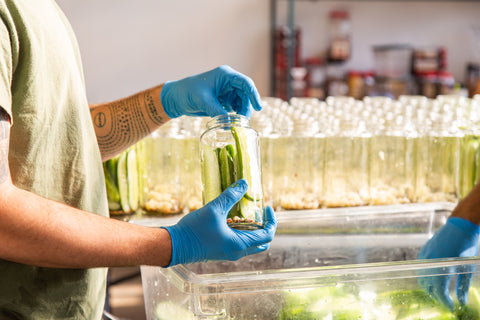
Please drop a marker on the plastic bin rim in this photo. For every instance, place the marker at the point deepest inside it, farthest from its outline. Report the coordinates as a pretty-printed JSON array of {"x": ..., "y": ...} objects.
[{"x": 280, "y": 279}]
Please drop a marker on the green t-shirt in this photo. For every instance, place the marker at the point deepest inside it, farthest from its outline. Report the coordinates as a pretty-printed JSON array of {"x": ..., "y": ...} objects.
[{"x": 53, "y": 153}]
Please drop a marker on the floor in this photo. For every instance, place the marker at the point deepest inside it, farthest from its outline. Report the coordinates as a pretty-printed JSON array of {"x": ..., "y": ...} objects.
[{"x": 126, "y": 294}]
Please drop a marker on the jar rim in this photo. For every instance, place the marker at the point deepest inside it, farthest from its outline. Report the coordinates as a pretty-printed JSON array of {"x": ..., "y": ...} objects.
[{"x": 228, "y": 119}]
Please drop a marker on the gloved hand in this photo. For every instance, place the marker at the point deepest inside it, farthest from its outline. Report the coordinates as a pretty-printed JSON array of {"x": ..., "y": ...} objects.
[
  {"x": 212, "y": 93},
  {"x": 204, "y": 235},
  {"x": 457, "y": 238}
]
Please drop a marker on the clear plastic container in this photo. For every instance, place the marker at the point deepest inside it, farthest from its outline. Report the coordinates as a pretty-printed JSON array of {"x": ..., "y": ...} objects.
[
  {"x": 357, "y": 263},
  {"x": 230, "y": 151}
]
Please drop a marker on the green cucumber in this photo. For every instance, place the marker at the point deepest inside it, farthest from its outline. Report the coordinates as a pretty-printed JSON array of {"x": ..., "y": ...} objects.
[
  {"x": 211, "y": 174},
  {"x": 123, "y": 182},
  {"x": 248, "y": 168},
  {"x": 226, "y": 164},
  {"x": 132, "y": 179}
]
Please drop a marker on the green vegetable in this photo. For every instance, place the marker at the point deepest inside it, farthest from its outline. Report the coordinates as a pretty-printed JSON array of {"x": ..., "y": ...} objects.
[
  {"x": 212, "y": 182},
  {"x": 342, "y": 302},
  {"x": 121, "y": 180}
]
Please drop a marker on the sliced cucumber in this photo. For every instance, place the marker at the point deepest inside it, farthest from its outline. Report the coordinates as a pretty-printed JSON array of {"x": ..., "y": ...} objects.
[
  {"x": 225, "y": 161},
  {"x": 132, "y": 179},
  {"x": 123, "y": 182},
  {"x": 248, "y": 168},
  {"x": 211, "y": 174}
]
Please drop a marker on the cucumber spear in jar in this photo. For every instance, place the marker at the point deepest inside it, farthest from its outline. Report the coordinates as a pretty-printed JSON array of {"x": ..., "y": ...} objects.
[{"x": 224, "y": 165}]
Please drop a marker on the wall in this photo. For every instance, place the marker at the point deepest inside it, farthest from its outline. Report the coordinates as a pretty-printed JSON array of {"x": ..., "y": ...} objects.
[{"x": 130, "y": 45}]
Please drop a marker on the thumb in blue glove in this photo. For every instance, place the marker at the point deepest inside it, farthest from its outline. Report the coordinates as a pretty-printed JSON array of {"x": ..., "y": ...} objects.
[
  {"x": 457, "y": 238},
  {"x": 218, "y": 91},
  {"x": 203, "y": 235}
]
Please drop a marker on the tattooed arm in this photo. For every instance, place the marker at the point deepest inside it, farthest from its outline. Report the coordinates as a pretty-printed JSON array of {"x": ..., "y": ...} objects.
[
  {"x": 46, "y": 233},
  {"x": 121, "y": 123}
]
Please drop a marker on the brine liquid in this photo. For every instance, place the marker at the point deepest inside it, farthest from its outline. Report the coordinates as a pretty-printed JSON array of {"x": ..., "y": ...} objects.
[
  {"x": 392, "y": 169},
  {"x": 469, "y": 170},
  {"x": 347, "y": 171},
  {"x": 437, "y": 168}
]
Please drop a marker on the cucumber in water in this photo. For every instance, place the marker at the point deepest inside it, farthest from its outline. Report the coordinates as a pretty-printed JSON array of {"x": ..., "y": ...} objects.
[
  {"x": 211, "y": 174},
  {"x": 123, "y": 182},
  {"x": 226, "y": 164},
  {"x": 132, "y": 176},
  {"x": 248, "y": 168}
]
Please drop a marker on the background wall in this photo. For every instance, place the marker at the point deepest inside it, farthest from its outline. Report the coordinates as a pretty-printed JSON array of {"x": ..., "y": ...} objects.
[{"x": 130, "y": 45}]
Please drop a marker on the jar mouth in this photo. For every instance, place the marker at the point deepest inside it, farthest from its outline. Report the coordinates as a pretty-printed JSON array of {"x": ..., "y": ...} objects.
[{"x": 228, "y": 120}]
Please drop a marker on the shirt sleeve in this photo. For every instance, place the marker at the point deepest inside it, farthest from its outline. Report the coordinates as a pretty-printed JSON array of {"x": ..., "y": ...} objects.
[{"x": 6, "y": 67}]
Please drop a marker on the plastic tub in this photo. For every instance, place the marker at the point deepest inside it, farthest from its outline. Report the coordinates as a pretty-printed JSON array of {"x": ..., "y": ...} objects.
[{"x": 323, "y": 264}]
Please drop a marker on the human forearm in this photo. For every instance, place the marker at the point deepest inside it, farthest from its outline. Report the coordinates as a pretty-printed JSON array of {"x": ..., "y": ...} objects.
[
  {"x": 469, "y": 207},
  {"x": 122, "y": 123},
  {"x": 46, "y": 233}
]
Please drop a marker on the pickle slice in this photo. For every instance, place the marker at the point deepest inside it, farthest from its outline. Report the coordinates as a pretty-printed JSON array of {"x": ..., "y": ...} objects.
[
  {"x": 248, "y": 168},
  {"x": 132, "y": 182},
  {"x": 211, "y": 174},
  {"x": 225, "y": 161},
  {"x": 123, "y": 182}
]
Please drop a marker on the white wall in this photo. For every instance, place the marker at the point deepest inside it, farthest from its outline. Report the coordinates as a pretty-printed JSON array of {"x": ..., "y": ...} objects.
[{"x": 130, "y": 45}]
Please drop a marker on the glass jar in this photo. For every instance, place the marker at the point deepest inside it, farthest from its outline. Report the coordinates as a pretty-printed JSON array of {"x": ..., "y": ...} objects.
[
  {"x": 230, "y": 151},
  {"x": 393, "y": 151},
  {"x": 124, "y": 180},
  {"x": 347, "y": 164},
  {"x": 165, "y": 154}
]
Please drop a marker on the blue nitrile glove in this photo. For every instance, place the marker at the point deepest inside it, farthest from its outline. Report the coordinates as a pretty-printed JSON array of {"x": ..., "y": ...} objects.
[
  {"x": 203, "y": 235},
  {"x": 212, "y": 93},
  {"x": 457, "y": 238}
]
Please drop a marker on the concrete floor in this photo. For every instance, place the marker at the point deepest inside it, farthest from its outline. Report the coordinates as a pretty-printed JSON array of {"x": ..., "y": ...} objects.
[{"x": 126, "y": 294}]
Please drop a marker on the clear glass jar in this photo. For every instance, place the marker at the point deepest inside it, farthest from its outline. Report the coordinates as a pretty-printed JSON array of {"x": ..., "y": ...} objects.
[
  {"x": 441, "y": 145},
  {"x": 124, "y": 180},
  {"x": 302, "y": 163},
  {"x": 230, "y": 151},
  {"x": 165, "y": 154},
  {"x": 347, "y": 164},
  {"x": 393, "y": 152}
]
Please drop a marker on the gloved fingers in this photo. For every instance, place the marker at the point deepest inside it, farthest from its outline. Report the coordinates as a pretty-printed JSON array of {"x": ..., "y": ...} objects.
[
  {"x": 463, "y": 284},
  {"x": 257, "y": 249},
  {"x": 227, "y": 199},
  {"x": 440, "y": 290},
  {"x": 245, "y": 87},
  {"x": 269, "y": 220},
  {"x": 208, "y": 105}
]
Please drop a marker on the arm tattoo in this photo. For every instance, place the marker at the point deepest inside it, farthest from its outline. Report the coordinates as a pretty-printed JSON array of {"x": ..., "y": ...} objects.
[
  {"x": 152, "y": 110},
  {"x": 125, "y": 122},
  {"x": 4, "y": 143}
]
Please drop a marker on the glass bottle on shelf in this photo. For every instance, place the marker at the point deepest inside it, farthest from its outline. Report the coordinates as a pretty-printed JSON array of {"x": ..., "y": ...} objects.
[{"x": 230, "y": 151}]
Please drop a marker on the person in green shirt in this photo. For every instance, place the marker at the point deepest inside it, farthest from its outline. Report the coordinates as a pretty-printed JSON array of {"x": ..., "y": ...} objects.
[{"x": 57, "y": 239}]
